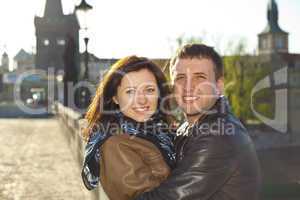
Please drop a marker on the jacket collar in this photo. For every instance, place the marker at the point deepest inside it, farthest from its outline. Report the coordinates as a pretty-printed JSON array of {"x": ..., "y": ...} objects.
[
  {"x": 220, "y": 109},
  {"x": 133, "y": 127}
]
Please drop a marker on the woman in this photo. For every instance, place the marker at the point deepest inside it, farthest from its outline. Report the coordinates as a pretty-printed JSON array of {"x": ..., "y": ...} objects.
[{"x": 129, "y": 142}]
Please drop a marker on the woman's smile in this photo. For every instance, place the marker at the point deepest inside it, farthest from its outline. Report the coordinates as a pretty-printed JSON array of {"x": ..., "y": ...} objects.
[{"x": 141, "y": 109}]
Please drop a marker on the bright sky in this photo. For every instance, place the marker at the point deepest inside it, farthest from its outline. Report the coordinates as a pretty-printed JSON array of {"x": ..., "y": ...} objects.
[{"x": 149, "y": 28}]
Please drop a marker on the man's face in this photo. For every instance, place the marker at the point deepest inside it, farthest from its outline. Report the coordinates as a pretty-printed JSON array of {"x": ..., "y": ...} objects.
[{"x": 195, "y": 85}]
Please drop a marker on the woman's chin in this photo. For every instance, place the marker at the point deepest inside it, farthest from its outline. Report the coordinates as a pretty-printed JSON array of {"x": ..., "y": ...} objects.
[{"x": 141, "y": 118}]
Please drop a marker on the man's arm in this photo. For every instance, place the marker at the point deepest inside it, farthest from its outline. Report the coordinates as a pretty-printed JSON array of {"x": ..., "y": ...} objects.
[{"x": 206, "y": 166}]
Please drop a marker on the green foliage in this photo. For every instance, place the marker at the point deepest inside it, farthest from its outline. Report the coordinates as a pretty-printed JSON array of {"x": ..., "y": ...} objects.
[
  {"x": 264, "y": 102},
  {"x": 242, "y": 73}
]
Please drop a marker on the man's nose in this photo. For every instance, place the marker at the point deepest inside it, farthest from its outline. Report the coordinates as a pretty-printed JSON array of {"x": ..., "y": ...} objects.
[{"x": 189, "y": 85}]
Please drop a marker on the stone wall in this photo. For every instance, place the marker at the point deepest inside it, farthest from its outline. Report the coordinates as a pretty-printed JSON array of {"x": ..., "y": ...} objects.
[{"x": 70, "y": 123}]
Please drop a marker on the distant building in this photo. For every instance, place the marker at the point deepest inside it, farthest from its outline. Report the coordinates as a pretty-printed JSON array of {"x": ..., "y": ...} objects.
[
  {"x": 23, "y": 61},
  {"x": 96, "y": 67},
  {"x": 274, "y": 49},
  {"x": 52, "y": 32},
  {"x": 273, "y": 39},
  {"x": 4, "y": 62}
]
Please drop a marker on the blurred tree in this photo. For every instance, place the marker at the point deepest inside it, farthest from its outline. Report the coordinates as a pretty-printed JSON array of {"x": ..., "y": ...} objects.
[{"x": 242, "y": 72}]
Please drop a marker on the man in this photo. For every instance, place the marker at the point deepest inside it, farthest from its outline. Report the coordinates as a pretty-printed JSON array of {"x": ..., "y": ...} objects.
[{"x": 216, "y": 159}]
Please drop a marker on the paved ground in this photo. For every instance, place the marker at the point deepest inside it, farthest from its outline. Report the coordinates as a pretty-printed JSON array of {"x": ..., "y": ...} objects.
[{"x": 36, "y": 163}]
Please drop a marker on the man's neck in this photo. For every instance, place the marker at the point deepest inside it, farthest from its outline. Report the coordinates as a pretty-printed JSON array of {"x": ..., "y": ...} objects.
[{"x": 192, "y": 119}]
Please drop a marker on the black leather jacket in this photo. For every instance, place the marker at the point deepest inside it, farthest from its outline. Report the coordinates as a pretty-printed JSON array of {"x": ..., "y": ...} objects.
[{"x": 216, "y": 160}]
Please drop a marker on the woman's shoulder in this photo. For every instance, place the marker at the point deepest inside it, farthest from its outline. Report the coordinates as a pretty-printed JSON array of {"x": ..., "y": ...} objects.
[{"x": 125, "y": 139}]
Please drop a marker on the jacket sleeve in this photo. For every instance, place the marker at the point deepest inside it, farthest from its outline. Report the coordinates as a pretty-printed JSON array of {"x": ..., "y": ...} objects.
[
  {"x": 130, "y": 166},
  {"x": 205, "y": 167}
]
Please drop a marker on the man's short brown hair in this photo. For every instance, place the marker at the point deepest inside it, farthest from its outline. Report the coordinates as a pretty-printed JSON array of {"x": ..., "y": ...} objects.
[{"x": 200, "y": 51}]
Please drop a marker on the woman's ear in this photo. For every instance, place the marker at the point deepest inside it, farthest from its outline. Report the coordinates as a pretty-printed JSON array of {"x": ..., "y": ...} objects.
[
  {"x": 171, "y": 86},
  {"x": 220, "y": 85},
  {"x": 114, "y": 98}
]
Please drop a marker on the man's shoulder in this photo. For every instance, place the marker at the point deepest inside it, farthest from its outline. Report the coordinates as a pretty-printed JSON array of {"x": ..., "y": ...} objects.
[
  {"x": 224, "y": 131},
  {"x": 233, "y": 121}
]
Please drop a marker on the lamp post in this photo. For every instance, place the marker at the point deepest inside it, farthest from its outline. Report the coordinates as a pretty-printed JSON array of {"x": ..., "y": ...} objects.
[
  {"x": 83, "y": 12},
  {"x": 86, "y": 59}
]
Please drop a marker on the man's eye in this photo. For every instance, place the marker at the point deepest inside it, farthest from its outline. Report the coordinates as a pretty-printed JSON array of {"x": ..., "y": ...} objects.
[
  {"x": 200, "y": 77},
  {"x": 178, "y": 78}
]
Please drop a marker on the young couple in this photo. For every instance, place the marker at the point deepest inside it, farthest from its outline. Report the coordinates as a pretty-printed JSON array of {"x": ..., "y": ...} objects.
[{"x": 134, "y": 152}]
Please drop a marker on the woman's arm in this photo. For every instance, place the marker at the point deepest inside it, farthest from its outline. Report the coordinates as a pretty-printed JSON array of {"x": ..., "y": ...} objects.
[{"x": 130, "y": 166}]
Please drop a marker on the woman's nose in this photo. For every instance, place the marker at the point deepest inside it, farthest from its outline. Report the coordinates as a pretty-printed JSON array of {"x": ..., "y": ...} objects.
[{"x": 141, "y": 98}]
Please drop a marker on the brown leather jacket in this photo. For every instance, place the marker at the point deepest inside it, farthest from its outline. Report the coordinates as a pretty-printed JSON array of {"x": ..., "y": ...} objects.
[{"x": 130, "y": 166}]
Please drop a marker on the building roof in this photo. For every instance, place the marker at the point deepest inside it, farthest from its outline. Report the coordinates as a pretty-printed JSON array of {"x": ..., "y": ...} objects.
[
  {"x": 53, "y": 9},
  {"x": 272, "y": 16},
  {"x": 4, "y": 55},
  {"x": 23, "y": 55}
]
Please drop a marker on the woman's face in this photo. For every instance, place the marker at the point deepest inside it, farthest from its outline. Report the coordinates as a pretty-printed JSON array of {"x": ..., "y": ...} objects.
[{"x": 137, "y": 95}]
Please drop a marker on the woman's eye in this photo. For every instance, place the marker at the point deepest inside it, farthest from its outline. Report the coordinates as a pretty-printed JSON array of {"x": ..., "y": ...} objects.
[
  {"x": 150, "y": 90},
  {"x": 130, "y": 91}
]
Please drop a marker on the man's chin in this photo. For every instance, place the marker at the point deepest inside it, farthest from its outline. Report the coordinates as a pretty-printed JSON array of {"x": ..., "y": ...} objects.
[{"x": 193, "y": 112}]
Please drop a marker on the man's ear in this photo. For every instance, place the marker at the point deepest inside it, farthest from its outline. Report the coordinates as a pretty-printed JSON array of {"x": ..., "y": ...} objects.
[
  {"x": 220, "y": 85},
  {"x": 115, "y": 100},
  {"x": 171, "y": 86},
  {"x": 172, "y": 72}
]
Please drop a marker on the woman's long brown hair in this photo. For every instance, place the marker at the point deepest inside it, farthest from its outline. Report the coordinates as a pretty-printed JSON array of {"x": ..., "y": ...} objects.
[{"x": 102, "y": 101}]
